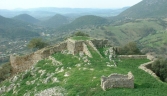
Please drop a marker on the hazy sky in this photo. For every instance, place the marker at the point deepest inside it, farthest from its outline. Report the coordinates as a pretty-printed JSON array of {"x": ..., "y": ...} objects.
[{"x": 12, "y": 4}]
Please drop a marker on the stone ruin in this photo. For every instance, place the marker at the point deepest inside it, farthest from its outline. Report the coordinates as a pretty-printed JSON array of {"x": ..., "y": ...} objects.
[
  {"x": 117, "y": 81},
  {"x": 22, "y": 63}
]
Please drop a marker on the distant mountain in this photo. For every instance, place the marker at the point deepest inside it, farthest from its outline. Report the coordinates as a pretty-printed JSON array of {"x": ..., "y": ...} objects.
[
  {"x": 146, "y": 9},
  {"x": 55, "y": 21},
  {"x": 51, "y": 11},
  {"x": 83, "y": 22},
  {"x": 26, "y": 18},
  {"x": 10, "y": 28}
]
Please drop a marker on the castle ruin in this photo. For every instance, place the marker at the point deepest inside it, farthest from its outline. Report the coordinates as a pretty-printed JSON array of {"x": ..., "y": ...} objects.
[
  {"x": 117, "y": 81},
  {"x": 22, "y": 63}
]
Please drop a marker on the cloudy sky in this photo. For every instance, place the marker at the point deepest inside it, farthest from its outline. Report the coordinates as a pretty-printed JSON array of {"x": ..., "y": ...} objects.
[{"x": 12, "y": 4}]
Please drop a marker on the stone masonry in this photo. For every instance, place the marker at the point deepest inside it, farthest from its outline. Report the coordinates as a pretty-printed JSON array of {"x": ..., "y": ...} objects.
[
  {"x": 22, "y": 63},
  {"x": 117, "y": 81}
]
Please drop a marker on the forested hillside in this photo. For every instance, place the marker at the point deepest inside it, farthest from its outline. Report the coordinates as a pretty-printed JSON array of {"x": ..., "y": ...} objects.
[
  {"x": 10, "y": 28},
  {"x": 26, "y": 18}
]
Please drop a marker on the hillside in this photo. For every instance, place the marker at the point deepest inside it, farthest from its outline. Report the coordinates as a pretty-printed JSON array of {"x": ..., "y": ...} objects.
[
  {"x": 146, "y": 9},
  {"x": 84, "y": 22},
  {"x": 66, "y": 74},
  {"x": 55, "y": 21},
  {"x": 15, "y": 29},
  {"x": 26, "y": 18}
]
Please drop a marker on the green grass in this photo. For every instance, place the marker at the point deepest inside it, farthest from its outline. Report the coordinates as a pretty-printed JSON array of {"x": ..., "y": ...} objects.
[{"x": 85, "y": 79}]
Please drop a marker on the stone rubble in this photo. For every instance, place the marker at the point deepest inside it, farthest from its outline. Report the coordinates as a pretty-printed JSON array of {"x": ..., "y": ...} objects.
[{"x": 56, "y": 91}]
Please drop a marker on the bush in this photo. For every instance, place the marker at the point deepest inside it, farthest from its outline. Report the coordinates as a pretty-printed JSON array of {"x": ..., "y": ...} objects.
[
  {"x": 37, "y": 43},
  {"x": 160, "y": 68},
  {"x": 79, "y": 33},
  {"x": 5, "y": 71},
  {"x": 129, "y": 49}
]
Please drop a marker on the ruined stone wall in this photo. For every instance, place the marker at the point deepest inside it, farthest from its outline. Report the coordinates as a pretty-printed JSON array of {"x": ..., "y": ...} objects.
[
  {"x": 22, "y": 63},
  {"x": 94, "y": 47},
  {"x": 71, "y": 45},
  {"x": 74, "y": 46},
  {"x": 151, "y": 57},
  {"x": 117, "y": 81},
  {"x": 144, "y": 68},
  {"x": 86, "y": 50},
  {"x": 132, "y": 56},
  {"x": 78, "y": 47}
]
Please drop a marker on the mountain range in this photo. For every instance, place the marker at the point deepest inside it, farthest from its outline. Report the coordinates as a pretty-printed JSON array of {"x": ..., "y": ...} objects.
[
  {"x": 146, "y": 9},
  {"x": 51, "y": 11},
  {"x": 26, "y": 18},
  {"x": 10, "y": 28}
]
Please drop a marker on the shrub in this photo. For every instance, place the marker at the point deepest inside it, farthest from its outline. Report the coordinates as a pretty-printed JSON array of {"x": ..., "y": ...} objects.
[
  {"x": 37, "y": 43},
  {"x": 79, "y": 33},
  {"x": 129, "y": 49},
  {"x": 160, "y": 68},
  {"x": 5, "y": 71}
]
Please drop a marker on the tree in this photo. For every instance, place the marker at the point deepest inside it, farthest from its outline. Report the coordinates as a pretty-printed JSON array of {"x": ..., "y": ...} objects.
[
  {"x": 79, "y": 33},
  {"x": 5, "y": 71},
  {"x": 160, "y": 68},
  {"x": 37, "y": 43},
  {"x": 129, "y": 49}
]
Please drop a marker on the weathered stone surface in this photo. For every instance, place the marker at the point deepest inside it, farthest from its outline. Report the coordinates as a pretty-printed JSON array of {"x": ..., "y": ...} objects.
[
  {"x": 117, "y": 81},
  {"x": 56, "y": 91},
  {"x": 132, "y": 56},
  {"x": 22, "y": 63},
  {"x": 144, "y": 67},
  {"x": 94, "y": 47},
  {"x": 86, "y": 51}
]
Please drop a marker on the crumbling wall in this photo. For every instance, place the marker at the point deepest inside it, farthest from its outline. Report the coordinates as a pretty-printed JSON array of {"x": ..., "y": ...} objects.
[
  {"x": 132, "y": 56},
  {"x": 22, "y": 63},
  {"x": 71, "y": 45},
  {"x": 94, "y": 47},
  {"x": 78, "y": 47},
  {"x": 117, "y": 81},
  {"x": 145, "y": 68},
  {"x": 74, "y": 46},
  {"x": 86, "y": 50}
]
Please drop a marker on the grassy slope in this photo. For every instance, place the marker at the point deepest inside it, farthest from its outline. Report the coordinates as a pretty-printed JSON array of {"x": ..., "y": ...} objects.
[
  {"x": 84, "y": 80},
  {"x": 149, "y": 33},
  {"x": 146, "y": 9}
]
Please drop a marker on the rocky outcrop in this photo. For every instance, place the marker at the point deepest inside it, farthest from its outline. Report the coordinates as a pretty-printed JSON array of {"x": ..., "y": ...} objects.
[{"x": 117, "y": 81}]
